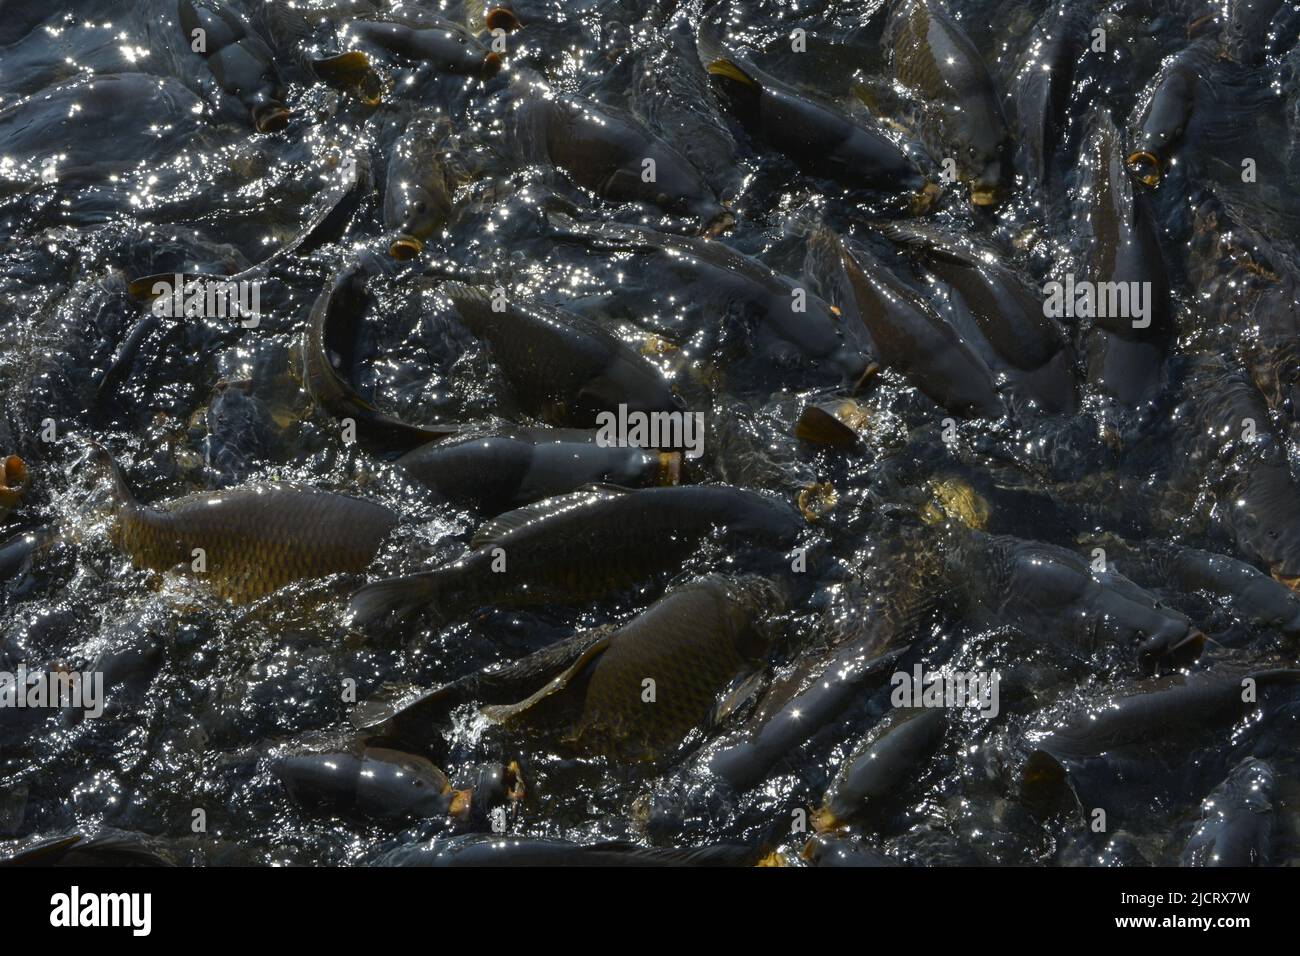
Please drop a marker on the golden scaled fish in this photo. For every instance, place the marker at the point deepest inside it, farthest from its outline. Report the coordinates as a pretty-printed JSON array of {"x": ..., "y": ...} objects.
[
  {"x": 646, "y": 685},
  {"x": 249, "y": 541}
]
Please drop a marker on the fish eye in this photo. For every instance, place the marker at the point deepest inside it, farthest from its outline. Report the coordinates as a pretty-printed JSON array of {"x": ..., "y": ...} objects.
[{"x": 420, "y": 206}]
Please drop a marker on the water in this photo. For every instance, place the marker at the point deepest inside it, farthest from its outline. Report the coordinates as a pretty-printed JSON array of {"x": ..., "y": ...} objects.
[{"x": 202, "y": 695}]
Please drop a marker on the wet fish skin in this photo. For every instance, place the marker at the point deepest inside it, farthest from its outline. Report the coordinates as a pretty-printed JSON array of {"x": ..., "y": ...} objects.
[
  {"x": 1053, "y": 592},
  {"x": 742, "y": 279},
  {"x": 495, "y": 473},
  {"x": 1164, "y": 112},
  {"x": 934, "y": 57},
  {"x": 330, "y": 334},
  {"x": 1245, "y": 33},
  {"x": 1010, "y": 316},
  {"x": 813, "y": 135},
  {"x": 240, "y": 61},
  {"x": 1123, "y": 361},
  {"x": 1253, "y": 594},
  {"x": 369, "y": 781},
  {"x": 605, "y": 151},
  {"x": 584, "y": 546},
  {"x": 693, "y": 643},
  {"x": 446, "y": 46},
  {"x": 562, "y": 367},
  {"x": 912, "y": 338},
  {"x": 417, "y": 192},
  {"x": 255, "y": 538},
  {"x": 1237, "y": 820},
  {"x": 888, "y": 758}
]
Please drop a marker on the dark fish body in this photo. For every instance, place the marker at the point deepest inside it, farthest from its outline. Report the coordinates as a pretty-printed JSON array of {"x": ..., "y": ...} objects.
[
  {"x": 830, "y": 851},
  {"x": 1237, "y": 820},
  {"x": 692, "y": 643},
  {"x": 1053, "y": 593},
  {"x": 889, "y": 758},
  {"x": 327, "y": 353},
  {"x": 964, "y": 120},
  {"x": 606, "y": 152},
  {"x": 920, "y": 344},
  {"x": 240, "y": 61},
  {"x": 816, "y": 137},
  {"x": 562, "y": 367},
  {"x": 1245, "y": 33},
  {"x": 239, "y": 433},
  {"x": 742, "y": 281},
  {"x": 447, "y": 47},
  {"x": 1252, "y": 594},
  {"x": 417, "y": 193},
  {"x": 254, "y": 539},
  {"x": 1166, "y": 109},
  {"x": 1124, "y": 360},
  {"x": 372, "y": 782},
  {"x": 849, "y": 673},
  {"x": 82, "y": 124},
  {"x": 1253, "y": 475},
  {"x": 1010, "y": 315},
  {"x": 584, "y": 546},
  {"x": 1151, "y": 711},
  {"x": 495, "y": 473},
  {"x": 1046, "y": 77},
  {"x": 487, "y": 850},
  {"x": 18, "y": 552}
]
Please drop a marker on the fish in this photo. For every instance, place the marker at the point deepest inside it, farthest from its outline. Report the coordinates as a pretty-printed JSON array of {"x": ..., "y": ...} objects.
[
  {"x": 492, "y": 850},
  {"x": 13, "y": 484},
  {"x": 1054, "y": 594},
  {"x": 1045, "y": 81},
  {"x": 1252, "y": 594},
  {"x": 18, "y": 552},
  {"x": 1244, "y": 37},
  {"x": 1165, "y": 110},
  {"x": 912, "y": 338},
  {"x": 372, "y": 782},
  {"x": 562, "y": 367},
  {"x": 693, "y": 643},
  {"x": 614, "y": 156},
  {"x": 1009, "y": 314},
  {"x": 780, "y": 726},
  {"x": 239, "y": 432},
  {"x": 817, "y": 137},
  {"x": 1237, "y": 819},
  {"x": 327, "y": 352},
  {"x": 1125, "y": 354},
  {"x": 839, "y": 422},
  {"x": 75, "y": 134},
  {"x": 890, "y": 757},
  {"x": 240, "y": 61},
  {"x": 826, "y": 850},
  {"x": 446, "y": 46},
  {"x": 495, "y": 473},
  {"x": 963, "y": 119},
  {"x": 418, "y": 190},
  {"x": 254, "y": 539},
  {"x": 743, "y": 283},
  {"x": 583, "y": 546}
]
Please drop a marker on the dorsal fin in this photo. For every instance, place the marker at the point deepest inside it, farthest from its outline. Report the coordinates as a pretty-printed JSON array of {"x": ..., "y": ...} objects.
[
  {"x": 500, "y": 713},
  {"x": 493, "y": 531}
]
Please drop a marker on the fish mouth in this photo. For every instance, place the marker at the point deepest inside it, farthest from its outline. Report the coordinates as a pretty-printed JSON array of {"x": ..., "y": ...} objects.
[
  {"x": 491, "y": 65},
  {"x": 669, "y": 471},
  {"x": 405, "y": 248},
  {"x": 499, "y": 18},
  {"x": 722, "y": 221},
  {"x": 1144, "y": 165},
  {"x": 925, "y": 197},
  {"x": 13, "y": 481},
  {"x": 272, "y": 119},
  {"x": 1290, "y": 580},
  {"x": 984, "y": 196}
]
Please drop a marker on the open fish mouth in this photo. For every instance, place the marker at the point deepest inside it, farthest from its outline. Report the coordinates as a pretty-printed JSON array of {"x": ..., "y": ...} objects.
[
  {"x": 500, "y": 18},
  {"x": 669, "y": 471},
  {"x": 985, "y": 196},
  {"x": 272, "y": 120},
  {"x": 1145, "y": 167},
  {"x": 13, "y": 483},
  {"x": 1290, "y": 580},
  {"x": 491, "y": 65},
  {"x": 405, "y": 248}
]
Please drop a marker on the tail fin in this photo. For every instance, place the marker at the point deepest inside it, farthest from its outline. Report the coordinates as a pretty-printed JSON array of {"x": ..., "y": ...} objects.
[{"x": 403, "y": 595}]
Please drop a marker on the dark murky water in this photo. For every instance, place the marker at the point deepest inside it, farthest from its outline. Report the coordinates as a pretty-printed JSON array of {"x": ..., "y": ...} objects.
[{"x": 1071, "y": 550}]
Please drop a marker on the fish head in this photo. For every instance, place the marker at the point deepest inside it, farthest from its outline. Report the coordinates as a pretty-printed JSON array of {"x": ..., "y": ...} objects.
[
  {"x": 270, "y": 117},
  {"x": 982, "y": 157},
  {"x": 412, "y": 212}
]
